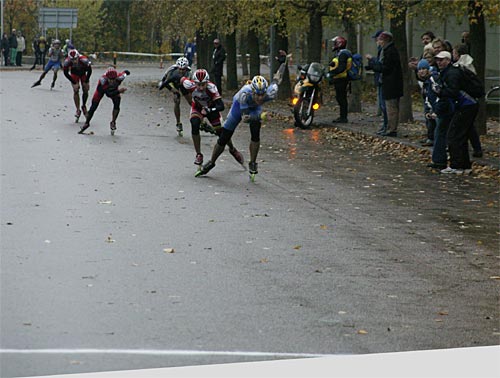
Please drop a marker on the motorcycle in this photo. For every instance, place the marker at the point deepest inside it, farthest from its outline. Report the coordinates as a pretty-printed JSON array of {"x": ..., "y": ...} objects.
[{"x": 307, "y": 94}]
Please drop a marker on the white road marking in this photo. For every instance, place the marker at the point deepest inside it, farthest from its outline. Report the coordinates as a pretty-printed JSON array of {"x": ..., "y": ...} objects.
[{"x": 159, "y": 352}]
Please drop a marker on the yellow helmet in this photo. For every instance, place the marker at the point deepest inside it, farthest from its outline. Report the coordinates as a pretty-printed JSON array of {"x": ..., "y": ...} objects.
[{"x": 259, "y": 85}]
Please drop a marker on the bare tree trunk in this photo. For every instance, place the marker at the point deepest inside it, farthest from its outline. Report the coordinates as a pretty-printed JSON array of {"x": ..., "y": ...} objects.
[
  {"x": 203, "y": 50},
  {"x": 243, "y": 53},
  {"x": 352, "y": 44},
  {"x": 285, "y": 89},
  {"x": 314, "y": 37},
  {"x": 253, "y": 48},
  {"x": 478, "y": 52},
  {"x": 398, "y": 30},
  {"x": 231, "y": 63}
]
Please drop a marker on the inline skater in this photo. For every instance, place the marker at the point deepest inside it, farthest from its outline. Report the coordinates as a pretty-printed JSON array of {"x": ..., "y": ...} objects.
[
  {"x": 55, "y": 58},
  {"x": 246, "y": 107},
  {"x": 206, "y": 103},
  {"x": 108, "y": 85},
  {"x": 77, "y": 69},
  {"x": 172, "y": 81}
]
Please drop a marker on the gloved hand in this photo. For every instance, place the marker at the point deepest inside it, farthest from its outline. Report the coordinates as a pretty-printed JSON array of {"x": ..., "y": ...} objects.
[
  {"x": 127, "y": 72},
  {"x": 436, "y": 88}
]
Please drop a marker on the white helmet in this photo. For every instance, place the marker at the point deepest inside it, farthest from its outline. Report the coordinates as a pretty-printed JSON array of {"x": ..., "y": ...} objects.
[{"x": 182, "y": 62}]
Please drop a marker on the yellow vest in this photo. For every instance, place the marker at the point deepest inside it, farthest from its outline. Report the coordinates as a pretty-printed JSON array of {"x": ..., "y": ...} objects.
[{"x": 335, "y": 65}]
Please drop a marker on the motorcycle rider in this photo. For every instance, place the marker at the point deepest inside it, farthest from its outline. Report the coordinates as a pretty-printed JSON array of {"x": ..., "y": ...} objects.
[
  {"x": 338, "y": 72},
  {"x": 108, "y": 85},
  {"x": 77, "y": 69},
  {"x": 206, "y": 103},
  {"x": 172, "y": 81}
]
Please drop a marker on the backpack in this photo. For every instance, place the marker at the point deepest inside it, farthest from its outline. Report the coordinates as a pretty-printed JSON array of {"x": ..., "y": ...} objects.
[
  {"x": 471, "y": 83},
  {"x": 355, "y": 72}
]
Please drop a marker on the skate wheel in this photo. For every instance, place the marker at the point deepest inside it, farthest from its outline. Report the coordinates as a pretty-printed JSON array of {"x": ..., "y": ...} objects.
[
  {"x": 112, "y": 132},
  {"x": 179, "y": 133},
  {"x": 198, "y": 173},
  {"x": 252, "y": 177}
]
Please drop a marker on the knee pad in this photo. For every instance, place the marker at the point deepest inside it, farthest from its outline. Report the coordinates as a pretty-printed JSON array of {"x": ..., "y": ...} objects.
[
  {"x": 224, "y": 137},
  {"x": 195, "y": 125},
  {"x": 255, "y": 131}
]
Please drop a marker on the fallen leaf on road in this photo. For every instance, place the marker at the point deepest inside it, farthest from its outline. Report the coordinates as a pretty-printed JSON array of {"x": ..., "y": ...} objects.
[
  {"x": 264, "y": 260},
  {"x": 297, "y": 247},
  {"x": 169, "y": 250},
  {"x": 110, "y": 239},
  {"x": 106, "y": 202},
  {"x": 362, "y": 332},
  {"x": 323, "y": 227},
  {"x": 443, "y": 312}
]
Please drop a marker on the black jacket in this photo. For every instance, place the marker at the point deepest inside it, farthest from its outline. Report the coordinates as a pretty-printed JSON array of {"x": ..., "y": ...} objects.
[
  {"x": 218, "y": 57},
  {"x": 389, "y": 65}
]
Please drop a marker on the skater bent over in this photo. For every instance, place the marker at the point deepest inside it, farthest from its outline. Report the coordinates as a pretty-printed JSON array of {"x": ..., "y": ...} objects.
[
  {"x": 172, "y": 81},
  {"x": 77, "y": 69},
  {"x": 247, "y": 107},
  {"x": 206, "y": 103},
  {"x": 55, "y": 58},
  {"x": 108, "y": 85}
]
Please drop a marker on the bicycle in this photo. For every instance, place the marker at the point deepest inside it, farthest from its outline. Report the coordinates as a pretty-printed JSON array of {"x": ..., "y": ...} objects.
[{"x": 493, "y": 95}]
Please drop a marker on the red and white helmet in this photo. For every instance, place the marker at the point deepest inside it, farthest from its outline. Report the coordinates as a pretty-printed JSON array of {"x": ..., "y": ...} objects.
[
  {"x": 339, "y": 43},
  {"x": 200, "y": 76},
  {"x": 73, "y": 54},
  {"x": 111, "y": 73}
]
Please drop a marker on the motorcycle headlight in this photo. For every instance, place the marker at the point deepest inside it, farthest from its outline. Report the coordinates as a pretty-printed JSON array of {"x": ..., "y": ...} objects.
[
  {"x": 295, "y": 100},
  {"x": 316, "y": 106},
  {"x": 314, "y": 78}
]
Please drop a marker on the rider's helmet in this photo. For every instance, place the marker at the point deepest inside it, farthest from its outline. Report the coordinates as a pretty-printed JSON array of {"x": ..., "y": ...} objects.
[
  {"x": 259, "y": 85},
  {"x": 339, "y": 43},
  {"x": 200, "y": 76},
  {"x": 111, "y": 73},
  {"x": 56, "y": 42},
  {"x": 182, "y": 62},
  {"x": 73, "y": 54}
]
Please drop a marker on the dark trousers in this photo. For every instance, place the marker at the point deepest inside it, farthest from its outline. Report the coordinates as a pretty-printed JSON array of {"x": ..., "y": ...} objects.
[
  {"x": 218, "y": 82},
  {"x": 19, "y": 58},
  {"x": 341, "y": 95},
  {"x": 458, "y": 136}
]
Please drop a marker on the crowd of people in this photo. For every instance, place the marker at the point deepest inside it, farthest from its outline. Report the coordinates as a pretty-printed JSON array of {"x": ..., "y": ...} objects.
[
  {"x": 443, "y": 73},
  {"x": 450, "y": 105},
  {"x": 450, "y": 110},
  {"x": 13, "y": 47}
]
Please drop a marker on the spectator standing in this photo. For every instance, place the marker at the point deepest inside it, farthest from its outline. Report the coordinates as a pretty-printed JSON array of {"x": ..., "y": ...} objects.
[
  {"x": 389, "y": 66},
  {"x": 466, "y": 108},
  {"x": 342, "y": 58},
  {"x": 13, "y": 47},
  {"x": 439, "y": 110},
  {"x": 466, "y": 40},
  {"x": 43, "y": 49},
  {"x": 218, "y": 58},
  {"x": 378, "y": 85},
  {"x": 426, "y": 39},
  {"x": 462, "y": 58},
  {"x": 38, "y": 53},
  {"x": 21, "y": 48},
  {"x": 189, "y": 51},
  {"x": 5, "y": 49}
]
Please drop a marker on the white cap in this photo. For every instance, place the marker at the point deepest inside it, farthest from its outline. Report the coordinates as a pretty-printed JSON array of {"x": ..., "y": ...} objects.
[{"x": 443, "y": 55}]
